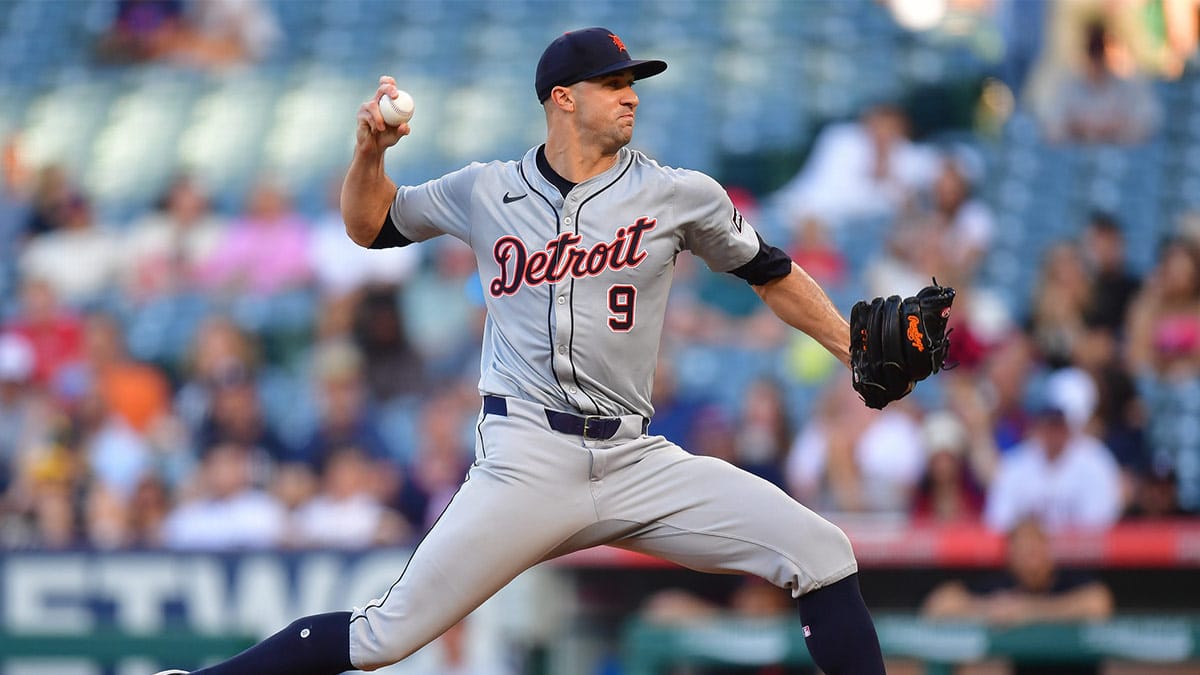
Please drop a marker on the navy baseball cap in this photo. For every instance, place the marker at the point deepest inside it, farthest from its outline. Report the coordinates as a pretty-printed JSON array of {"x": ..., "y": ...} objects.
[{"x": 586, "y": 53}]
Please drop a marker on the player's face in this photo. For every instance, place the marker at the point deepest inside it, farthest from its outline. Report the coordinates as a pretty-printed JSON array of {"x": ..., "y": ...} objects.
[{"x": 607, "y": 107}]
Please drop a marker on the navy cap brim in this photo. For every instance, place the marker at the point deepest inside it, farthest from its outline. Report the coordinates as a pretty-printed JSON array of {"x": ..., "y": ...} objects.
[{"x": 642, "y": 68}]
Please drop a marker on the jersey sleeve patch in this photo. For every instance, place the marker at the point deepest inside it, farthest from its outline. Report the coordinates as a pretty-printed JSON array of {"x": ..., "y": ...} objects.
[
  {"x": 389, "y": 236},
  {"x": 768, "y": 264}
]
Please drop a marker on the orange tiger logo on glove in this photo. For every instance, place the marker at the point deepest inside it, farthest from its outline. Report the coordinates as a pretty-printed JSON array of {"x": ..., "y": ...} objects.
[{"x": 914, "y": 333}]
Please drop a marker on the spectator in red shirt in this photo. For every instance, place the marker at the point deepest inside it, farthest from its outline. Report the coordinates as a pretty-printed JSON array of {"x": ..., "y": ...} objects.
[{"x": 55, "y": 333}]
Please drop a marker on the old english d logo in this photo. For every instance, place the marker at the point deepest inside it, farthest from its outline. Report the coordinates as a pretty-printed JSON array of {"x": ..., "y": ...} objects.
[{"x": 617, "y": 41}]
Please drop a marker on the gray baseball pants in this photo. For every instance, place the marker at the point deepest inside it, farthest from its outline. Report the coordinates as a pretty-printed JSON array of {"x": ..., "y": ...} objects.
[{"x": 534, "y": 494}]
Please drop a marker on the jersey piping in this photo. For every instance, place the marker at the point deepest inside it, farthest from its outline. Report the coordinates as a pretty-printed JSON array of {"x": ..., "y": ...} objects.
[
  {"x": 571, "y": 343},
  {"x": 553, "y": 287},
  {"x": 376, "y": 604}
]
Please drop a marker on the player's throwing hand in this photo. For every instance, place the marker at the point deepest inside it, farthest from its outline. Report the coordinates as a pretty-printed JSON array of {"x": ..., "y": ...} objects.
[{"x": 373, "y": 132}]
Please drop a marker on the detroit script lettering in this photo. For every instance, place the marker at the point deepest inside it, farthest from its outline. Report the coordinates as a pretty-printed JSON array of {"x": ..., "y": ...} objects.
[{"x": 563, "y": 257}]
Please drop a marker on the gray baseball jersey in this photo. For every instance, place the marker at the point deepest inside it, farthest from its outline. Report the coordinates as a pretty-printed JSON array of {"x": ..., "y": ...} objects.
[
  {"x": 576, "y": 287},
  {"x": 576, "y": 290}
]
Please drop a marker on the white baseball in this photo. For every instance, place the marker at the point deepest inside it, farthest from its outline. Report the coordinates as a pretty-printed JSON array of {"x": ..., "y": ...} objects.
[{"x": 396, "y": 111}]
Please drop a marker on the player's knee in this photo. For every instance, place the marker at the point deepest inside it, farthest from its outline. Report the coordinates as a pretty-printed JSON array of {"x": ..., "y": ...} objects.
[
  {"x": 828, "y": 557},
  {"x": 815, "y": 537},
  {"x": 837, "y": 541}
]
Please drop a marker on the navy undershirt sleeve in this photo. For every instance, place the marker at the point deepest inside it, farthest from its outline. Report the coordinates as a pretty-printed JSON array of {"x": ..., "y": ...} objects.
[
  {"x": 389, "y": 236},
  {"x": 768, "y": 264}
]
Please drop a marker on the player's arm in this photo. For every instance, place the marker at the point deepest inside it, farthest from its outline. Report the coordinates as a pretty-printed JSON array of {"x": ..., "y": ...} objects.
[
  {"x": 721, "y": 237},
  {"x": 367, "y": 192},
  {"x": 802, "y": 303}
]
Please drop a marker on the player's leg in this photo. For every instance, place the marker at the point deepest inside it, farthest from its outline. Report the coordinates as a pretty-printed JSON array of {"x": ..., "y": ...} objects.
[
  {"x": 526, "y": 494},
  {"x": 708, "y": 515}
]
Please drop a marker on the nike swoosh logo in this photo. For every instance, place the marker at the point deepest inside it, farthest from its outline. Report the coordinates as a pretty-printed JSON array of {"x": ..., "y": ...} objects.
[{"x": 508, "y": 199}]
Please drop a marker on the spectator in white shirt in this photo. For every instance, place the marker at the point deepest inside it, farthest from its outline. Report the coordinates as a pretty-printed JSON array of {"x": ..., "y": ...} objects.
[
  {"x": 343, "y": 267},
  {"x": 164, "y": 248},
  {"x": 867, "y": 167},
  {"x": 346, "y": 273},
  {"x": 348, "y": 512},
  {"x": 850, "y": 458},
  {"x": 1060, "y": 474},
  {"x": 80, "y": 259},
  {"x": 229, "y": 512}
]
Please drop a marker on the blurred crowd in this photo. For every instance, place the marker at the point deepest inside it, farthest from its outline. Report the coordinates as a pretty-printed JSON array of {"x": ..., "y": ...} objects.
[
  {"x": 193, "y": 378},
  {"x": 207, "y": 34}
]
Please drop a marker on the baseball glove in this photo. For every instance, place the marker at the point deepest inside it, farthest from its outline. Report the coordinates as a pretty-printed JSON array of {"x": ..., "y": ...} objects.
[{"x": 895, "y": 343}]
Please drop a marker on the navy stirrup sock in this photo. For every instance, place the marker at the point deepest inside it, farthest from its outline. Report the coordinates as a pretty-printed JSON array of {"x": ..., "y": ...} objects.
[
  {"x": 313, "y": 645},
  {"x": 838, "y": 630}
]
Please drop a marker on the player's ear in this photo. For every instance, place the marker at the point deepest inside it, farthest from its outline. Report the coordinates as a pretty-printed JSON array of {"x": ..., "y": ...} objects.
[{"x": 563, "y": 98}]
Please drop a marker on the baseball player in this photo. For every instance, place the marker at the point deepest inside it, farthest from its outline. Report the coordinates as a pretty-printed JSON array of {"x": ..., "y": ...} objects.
[{"x": 576, "y": 243}]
